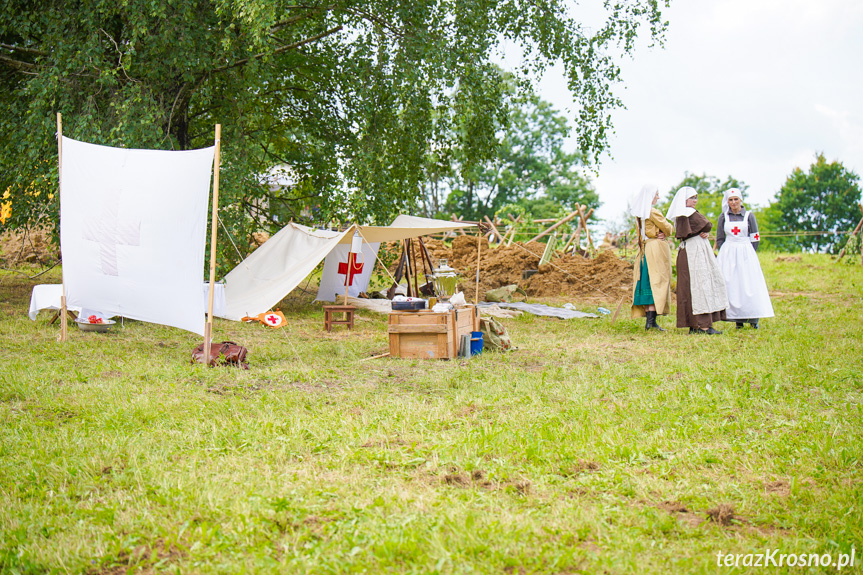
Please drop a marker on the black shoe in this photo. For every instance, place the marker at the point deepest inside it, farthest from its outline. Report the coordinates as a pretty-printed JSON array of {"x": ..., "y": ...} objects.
[
  {"x": 711, "y": 331},
  {"x": 739, "y": 325},
  {"x": 754, "y": 323}
]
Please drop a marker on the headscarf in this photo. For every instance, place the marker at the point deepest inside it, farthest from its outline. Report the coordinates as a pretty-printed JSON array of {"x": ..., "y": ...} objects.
[
  {"x": 641, "y": 203},
  {"x": 730, "y": 193},
  {"x": 678, "y": 204}
]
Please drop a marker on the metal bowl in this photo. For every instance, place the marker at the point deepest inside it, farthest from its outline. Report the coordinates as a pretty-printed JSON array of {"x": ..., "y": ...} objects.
[{"x": 85, "y": 325}]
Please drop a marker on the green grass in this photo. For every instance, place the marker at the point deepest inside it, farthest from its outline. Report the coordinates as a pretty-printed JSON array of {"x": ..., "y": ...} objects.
[{"x": 592, "y": 448}]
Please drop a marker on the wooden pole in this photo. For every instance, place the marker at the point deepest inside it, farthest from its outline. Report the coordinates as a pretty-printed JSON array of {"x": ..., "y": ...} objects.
[
  {"x": 478, "y": 248},
  {"x": 214, "y": 227},
  {"x": 64, "y": 325},
  {"x": 554, "y": 227},
  {"x": 514, "y": 225},
  {"x": 494, "y": 228},
  {"x": 571, "y": 237},
  {"x": 576, "y": 244},
  {"x": 584, "y": 225},
  {"x": 510, "y": 233}
]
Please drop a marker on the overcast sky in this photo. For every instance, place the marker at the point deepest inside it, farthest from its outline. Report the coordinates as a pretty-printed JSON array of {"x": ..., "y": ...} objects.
[{"x": 742, "y": 88}]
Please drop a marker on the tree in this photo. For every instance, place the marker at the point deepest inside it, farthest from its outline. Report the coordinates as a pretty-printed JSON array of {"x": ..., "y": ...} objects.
[
  {"x": 344, "y": 92},
  {"x": 814, "y": 208},
  {"x": 530, "y": 168},
  {"x": 710, "y": 190}
]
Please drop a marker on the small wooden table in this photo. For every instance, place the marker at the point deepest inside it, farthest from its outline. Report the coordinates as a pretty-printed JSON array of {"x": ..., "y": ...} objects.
[{"x": 347, "y": 319}]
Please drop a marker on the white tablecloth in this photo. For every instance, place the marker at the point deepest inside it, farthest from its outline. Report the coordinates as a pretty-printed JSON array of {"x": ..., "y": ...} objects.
[{"x": 47, "y": 296}]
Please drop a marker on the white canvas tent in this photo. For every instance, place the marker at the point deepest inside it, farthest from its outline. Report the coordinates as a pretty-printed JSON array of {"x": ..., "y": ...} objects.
[{"x": 278, "y": 266}]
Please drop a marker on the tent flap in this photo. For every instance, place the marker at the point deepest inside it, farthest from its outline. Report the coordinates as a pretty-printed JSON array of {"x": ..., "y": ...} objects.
[{"x": 278, "y": 266}]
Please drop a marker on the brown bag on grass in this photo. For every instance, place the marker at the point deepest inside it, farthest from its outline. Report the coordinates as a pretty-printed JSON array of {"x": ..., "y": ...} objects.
[{"x": 230, "y": 353}]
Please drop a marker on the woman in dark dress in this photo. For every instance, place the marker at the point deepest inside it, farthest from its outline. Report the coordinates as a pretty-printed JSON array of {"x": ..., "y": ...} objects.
[{"x": 701, "y": 295}]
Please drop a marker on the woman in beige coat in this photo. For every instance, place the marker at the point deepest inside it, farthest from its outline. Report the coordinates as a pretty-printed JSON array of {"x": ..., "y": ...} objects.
[{"x": 651, "y": 275}]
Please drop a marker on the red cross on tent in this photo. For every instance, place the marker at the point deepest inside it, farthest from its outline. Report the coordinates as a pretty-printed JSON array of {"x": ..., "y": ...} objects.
[
  {"x": 735, "y": 230},
  {"x": 350, "y": 268}
]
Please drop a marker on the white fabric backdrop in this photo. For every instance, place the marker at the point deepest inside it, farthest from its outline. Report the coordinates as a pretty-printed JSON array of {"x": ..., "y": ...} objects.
[{"x": 133, "y": 229}]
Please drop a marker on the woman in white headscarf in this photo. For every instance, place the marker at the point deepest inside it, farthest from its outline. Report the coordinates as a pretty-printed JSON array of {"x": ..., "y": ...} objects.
[
  {"x": 651, "y": 275},
  {"x": 737, "y": 241},
  {"x": 701, "y": 297}
]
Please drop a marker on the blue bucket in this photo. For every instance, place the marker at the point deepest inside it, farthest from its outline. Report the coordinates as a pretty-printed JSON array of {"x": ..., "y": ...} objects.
[{"x": 475, "y": 342}]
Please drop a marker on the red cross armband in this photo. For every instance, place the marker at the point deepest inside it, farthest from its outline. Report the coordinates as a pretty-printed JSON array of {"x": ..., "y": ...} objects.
[{"x": 754, "y": 237}]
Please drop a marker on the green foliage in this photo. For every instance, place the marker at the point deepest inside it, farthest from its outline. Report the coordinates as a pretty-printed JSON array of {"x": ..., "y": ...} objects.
[
  {"x": 710, "y": 190},
  {"x": 364, "y": 99},
  {"x": 530, "y": 168},
  {"x": 814, "y": 208}
]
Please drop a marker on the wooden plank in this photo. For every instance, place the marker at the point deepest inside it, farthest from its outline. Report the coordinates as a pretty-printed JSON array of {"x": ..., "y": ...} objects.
[
  {"x": 417, "y": 328},
  {"x": 555, "y": 226}
]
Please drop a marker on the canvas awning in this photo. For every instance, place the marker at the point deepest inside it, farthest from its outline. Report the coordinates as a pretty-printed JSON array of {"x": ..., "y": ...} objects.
[{"x": 286, "y": 259}]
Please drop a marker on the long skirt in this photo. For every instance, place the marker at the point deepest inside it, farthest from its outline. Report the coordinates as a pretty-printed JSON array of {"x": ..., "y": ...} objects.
[
  {"x": 643, "y": 293},
  {"x": 685, "y": 317},
  {"x": 744, "y": 282},
  {"x": 657, "y": 256}
]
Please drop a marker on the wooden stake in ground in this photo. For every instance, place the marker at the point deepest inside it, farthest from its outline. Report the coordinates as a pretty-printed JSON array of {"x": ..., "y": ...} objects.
[
  {"x": 208, "y": 328},
  {"x": 617, "y": 311},
  {"x": 478, "y": 247},
  {"x": 64, "y": 325}
]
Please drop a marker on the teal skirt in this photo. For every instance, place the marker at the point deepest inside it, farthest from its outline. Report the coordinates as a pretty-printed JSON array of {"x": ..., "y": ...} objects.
[{"x": 643, "y": 293}]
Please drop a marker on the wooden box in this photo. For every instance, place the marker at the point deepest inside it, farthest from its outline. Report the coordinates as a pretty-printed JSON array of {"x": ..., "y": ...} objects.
[{"x": 429, "y": 335}]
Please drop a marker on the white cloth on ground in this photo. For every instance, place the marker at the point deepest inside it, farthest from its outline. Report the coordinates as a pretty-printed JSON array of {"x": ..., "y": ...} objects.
[{"x": 47, "y": 296}]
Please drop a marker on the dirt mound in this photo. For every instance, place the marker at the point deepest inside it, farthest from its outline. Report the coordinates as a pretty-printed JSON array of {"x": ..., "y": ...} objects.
[
  {"x": 30, "y": 246},
  {"x": 605, "y": 278}
]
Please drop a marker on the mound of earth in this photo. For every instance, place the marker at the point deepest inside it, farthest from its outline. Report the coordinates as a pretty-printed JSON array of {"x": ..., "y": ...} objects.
[
  {"x": 605, "y": 278},
  {"x": 30, "y": 246}
]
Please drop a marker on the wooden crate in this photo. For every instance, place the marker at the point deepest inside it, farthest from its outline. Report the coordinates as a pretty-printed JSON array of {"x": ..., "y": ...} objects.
[{"x": 429, "y": 335}]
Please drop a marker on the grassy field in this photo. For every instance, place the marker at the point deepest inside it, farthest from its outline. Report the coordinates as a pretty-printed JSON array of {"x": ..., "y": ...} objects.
[{"x": 591, "y": 449}]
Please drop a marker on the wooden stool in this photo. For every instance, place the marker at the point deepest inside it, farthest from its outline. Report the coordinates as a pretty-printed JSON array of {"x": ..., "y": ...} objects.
[{"x": 348, "y": 319}]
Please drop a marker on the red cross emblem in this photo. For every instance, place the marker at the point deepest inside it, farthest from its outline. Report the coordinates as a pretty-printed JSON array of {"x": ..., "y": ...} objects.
[
  {"x": 350, "y": 268},
  {"x": 735, "y": 230},
  {"x": 273, "y": 320},
  {"x": 756, "y": 237}
]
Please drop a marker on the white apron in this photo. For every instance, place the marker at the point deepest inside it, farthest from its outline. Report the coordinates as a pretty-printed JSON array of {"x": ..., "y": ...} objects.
[
  {"x": 706, "y": 283},
  {"x": 744, "y": 280}
]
